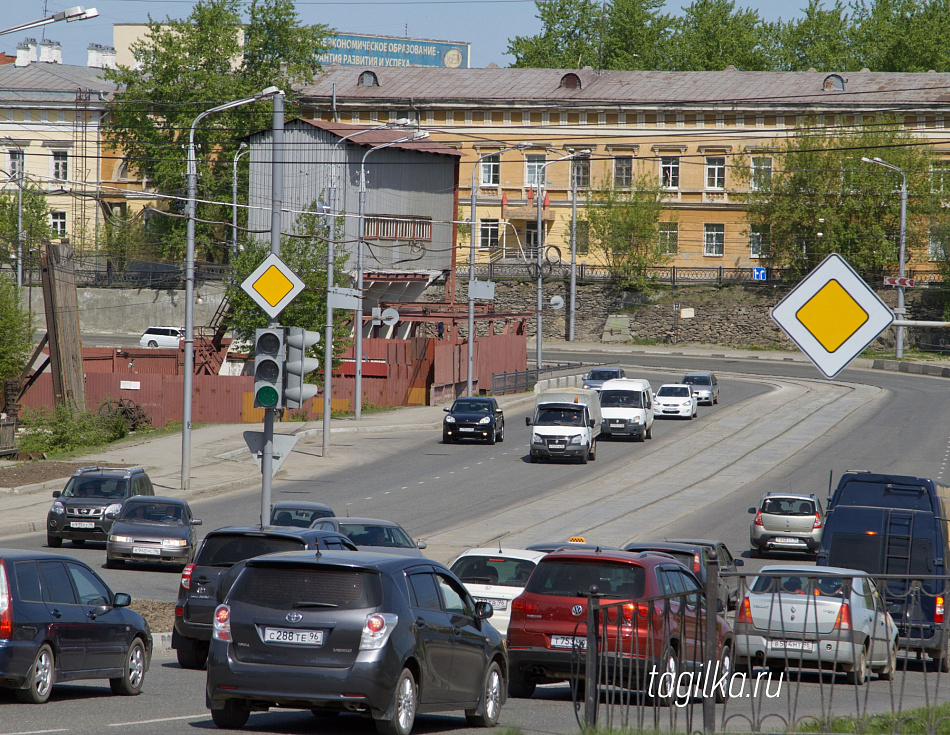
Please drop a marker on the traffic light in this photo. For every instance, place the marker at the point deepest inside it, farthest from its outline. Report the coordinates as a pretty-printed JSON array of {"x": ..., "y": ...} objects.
[
  {"x": 268, "y": 367},
  {"x": 296, "y": 391}
]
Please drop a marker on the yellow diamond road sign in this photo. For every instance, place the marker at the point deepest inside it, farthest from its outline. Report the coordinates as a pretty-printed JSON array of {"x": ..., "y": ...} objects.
[
  {"x": 832, "y": 315},
  {"x": 272, "y": 285}
]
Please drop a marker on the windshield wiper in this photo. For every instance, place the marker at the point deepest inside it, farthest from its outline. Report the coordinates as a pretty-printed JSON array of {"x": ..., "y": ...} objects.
[{"x": 314, "y": 604}]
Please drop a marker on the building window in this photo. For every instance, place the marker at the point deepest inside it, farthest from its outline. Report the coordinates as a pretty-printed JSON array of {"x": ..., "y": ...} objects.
[
  {"x": 761, "y": 173},
  {"x": 759, "y": 241},
  {"x": 491, "y": 170},
  {"x": 368, "y": 79},
  {"x": 60, "y": 165},
  {"x": 581, "y": 171},
  {"x": 392, "y": 227},
  {"x": 58, "y": 223},
  {"x": 534, "y": 166},
  {"x": 670, "y": 172},
  {"x": 623, "y": 172},
  {"x": 16, "y": 164},
  {"x": 715, "y": 172},
  {"x": 714, "y": 240},
  {"x": 940, "y": 178},
  {"x": 487, "y": 234},
  {"x": 668, "y": 234}
]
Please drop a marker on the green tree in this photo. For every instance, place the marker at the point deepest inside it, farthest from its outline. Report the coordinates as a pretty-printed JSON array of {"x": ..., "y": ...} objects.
[
  {"x": 713, "y": 34},
  {"x": 636, "y": 35},
  {"x": 186, "y": 67},
  {"x": 36, "y": 220},
  {"x": 570, "y": 39},
  {"x": 623, "y": 226},
  {"x": 822, "y": 198},
  {"x": 819, "y": 40},
  {"x": 901, "y": 35},
  {"x": 16, "y": 329}
]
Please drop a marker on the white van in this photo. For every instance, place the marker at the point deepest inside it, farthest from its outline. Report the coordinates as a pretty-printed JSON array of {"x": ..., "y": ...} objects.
[
  {"x": 567, "y": 422},
  {"x": 162, "y": 337},
  {"x": 627, "y": 407}
]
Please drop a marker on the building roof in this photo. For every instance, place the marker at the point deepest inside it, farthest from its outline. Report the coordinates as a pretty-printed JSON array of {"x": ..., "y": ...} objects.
[
  {"x": 534, "y": 87},
  {"x": 43, "y": 82},
  {"x": 376, "y": 137}
]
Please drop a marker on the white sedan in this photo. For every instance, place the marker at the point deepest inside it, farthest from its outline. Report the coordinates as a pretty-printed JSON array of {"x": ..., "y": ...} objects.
[{"x": 675, "y": 399}]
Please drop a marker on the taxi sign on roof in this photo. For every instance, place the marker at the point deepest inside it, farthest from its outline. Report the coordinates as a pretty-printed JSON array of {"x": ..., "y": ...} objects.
[
  {"x": 272, "y": 285},
  {"x": 832, "y": 315}
]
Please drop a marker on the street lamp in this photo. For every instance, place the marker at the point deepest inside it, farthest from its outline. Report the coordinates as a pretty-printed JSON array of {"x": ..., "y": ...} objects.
[
  {"x": 473, "y": 226},
  {"x": 234, "y": 236},
  {"x": 76, "y": 13},
  {"x": 189, "y": 366},
  {"x": 540, "y": 182},
  {"x": 573, "y": 305},
  {"x": 358, "y": 387},
  {"x": 21, "y": 171},
  {"x": 331, "y": 256},
  {"x": 899, "y": 347}
]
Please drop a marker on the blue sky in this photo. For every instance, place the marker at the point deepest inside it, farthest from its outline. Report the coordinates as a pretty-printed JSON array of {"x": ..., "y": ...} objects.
[{"x": 486, "y": 24}]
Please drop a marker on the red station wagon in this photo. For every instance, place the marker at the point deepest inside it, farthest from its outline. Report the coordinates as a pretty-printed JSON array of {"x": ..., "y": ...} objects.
[{"x": 548, "y": 628}]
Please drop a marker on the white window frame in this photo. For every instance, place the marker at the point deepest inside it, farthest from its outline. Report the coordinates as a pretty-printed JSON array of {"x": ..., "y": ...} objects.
[
  {"x": 490, "y": 170},
  {"x": 670, "y": 172},
  {"x": 761, "y": 173},
  {"x": 758, "y": 242},
  {"x": 489, "y": 234},
  {"x": 533, "y": 169},
  {"x": 715, "y": 173},
  {"x": 626, "y": 180},
  {"x": 714, "y": 238},
  {"x": 668, "y": 237},
  {"x": 55, "y": 164},
  {"x": 17, "y": 163},
  {"x": 57, "y": 222},
  {"x": 580, "y": 170}
]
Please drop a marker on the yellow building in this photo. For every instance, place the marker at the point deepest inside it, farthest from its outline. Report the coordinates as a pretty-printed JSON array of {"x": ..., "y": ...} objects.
[{"x": 691, "y": 132}]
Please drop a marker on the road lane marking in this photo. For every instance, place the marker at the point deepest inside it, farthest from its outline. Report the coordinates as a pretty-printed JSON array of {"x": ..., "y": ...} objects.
[
  {"x": 152, "y": 722},
  {"x": 37, "y": 732}
]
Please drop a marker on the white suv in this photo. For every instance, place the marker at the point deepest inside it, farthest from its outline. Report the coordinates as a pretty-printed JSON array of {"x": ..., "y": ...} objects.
[{"x": 162, "y": 337}]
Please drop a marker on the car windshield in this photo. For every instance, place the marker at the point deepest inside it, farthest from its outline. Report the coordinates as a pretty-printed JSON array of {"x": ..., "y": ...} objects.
[
  {"x": 697, "y": 380},
  {"x": 788, "y": 507},
  {"x": 298, "y": 517},
  {"x": 471, "y": 407},
  {"x": 620, "y": 399},
  {"x": 675, "y": 391},
  {"x": 225, "y": 550},
  {"x": 494, "y": 570},
  {"x": 364, "y": 534},
  {"x": 96, "y": 487},
  {"x": 152, "y": 512},
  {"x": 574, "y": 578},
  {"x": 792, "y": 584},
  {"x": 603, "y": 374},
  {"x": 560, "y": 417},
  {"x": 307, "y": 589}
]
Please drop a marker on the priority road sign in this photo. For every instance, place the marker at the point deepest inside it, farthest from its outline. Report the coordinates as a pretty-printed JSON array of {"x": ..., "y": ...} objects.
[
  {"x": 272, "y": 285},
  {"x": 283, "y": 445},
  {"x": 898, "y": 281},
  {"x": 832, "y": 315}
]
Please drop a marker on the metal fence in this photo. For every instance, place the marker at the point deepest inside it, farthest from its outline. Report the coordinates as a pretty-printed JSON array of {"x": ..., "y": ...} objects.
[
  {"x": 521, "y": 381},
  {"x": 787, "y": 659}
]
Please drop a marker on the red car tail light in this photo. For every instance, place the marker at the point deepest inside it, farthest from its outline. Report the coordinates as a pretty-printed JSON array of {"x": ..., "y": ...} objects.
[
  {"x": 524, "y": 607},
  {"x": 758, "y": 519},
  {"x": 817, "y": 523},
  {"x": 745, "y": 612},
  {"x": 186, "y": 576},
  {"x": 6, "y": 605},
  {"x": 843, "y": 621},
  {"x": 222, "y": 623},
  {"x": 696, "y": 563},
  {"x": 938, "y": 614}
]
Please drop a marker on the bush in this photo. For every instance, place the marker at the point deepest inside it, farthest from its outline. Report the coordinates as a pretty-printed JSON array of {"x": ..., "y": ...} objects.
[{"x": 57, "y": 430}]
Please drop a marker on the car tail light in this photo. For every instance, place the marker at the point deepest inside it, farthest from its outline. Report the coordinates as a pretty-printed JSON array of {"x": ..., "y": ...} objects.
[
  {"x": 696, "y": 563},
  {"x": 222, "y": 623},
  {"x": 6, "y": 605},
  {"x": 843, "y": 621},
  {"x": 745, "y": 612},
  {"x": 938, "y": 614},
  {"x": 376, "y": 630},
  {"x": 758, "y": 519},
  {"x": 524, "y": 606},
  {"x": 186, "y": 576},
  {"x": 817, "y": 523}
]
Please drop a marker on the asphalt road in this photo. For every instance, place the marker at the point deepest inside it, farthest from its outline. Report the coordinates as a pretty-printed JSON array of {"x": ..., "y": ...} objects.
[{"x": 783, "y": 430}]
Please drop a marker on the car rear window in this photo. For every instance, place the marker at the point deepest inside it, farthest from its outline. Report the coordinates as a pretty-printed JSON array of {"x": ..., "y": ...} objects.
[
  {"x": 876, "y": 494},
  {"x": 800, "y": 585},
  {"x": 96, "y": 487},
  {"x": 574, "y": 578},
  {"x": 697, "y": 380},
  {"x": 370, "y": 535},
  {"x": 620, "y": 399},
  {"x": 298, "y": 517},
  {"x": 788, "y": 507},
  {"x": 499, "y": 570},
  {"x": 227, "y": 549},
  {"x": 307, "y": 587}
]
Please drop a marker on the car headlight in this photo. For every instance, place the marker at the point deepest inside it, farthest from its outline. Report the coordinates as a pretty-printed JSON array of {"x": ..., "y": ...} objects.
[
  {"x": 120, "y": 539},
  {"x": 686, "y": 403},
  {"x": 113, "y": 509},
  {"x": 586, "y": 386},
  {"x": 485, "y": 420},
  {"x": 576, "y": 439},
  {"x": 57, "y": 508},
  {"x": 635, "y": 420},
  {"x": 450, "y": 419},
  {"x": 180, "y": 542},
  {"x": 536, "y": 439}
]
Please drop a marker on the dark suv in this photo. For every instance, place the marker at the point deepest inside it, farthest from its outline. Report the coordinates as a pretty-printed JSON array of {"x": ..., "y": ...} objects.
[
  {"x": 60, "y": 622},
  {"x": 88, "y": 505},
  {"x": 384, "y": 635},
  {"x": 222, "y": 549}
]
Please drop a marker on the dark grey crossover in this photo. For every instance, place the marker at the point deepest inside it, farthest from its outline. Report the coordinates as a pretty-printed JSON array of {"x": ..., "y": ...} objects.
[{"x": 383, "y": 635}]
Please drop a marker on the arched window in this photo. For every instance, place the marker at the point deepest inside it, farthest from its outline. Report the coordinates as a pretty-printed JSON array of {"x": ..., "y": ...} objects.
[
  {"x": 570, "y": 81},
  {"x": 368, "y": 79},
  {"x": 833, "y": 83}
]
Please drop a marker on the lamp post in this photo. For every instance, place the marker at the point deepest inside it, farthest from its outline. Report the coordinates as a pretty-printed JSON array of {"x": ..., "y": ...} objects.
[
  {"x": 331, "y": 258},
  {"x": 573, "y": 300},
  {"x": 21, "y": 175},
  {"x": 473, "y": 227},
  {"x": 189, "y": 366},
  {"x": 234, "y": 235},
  {"x": 358, "y": 387},
  {"x": 76, "y": 13},
  {"x": 899, "y": 347},
  {"x": 539, "y": 338}
]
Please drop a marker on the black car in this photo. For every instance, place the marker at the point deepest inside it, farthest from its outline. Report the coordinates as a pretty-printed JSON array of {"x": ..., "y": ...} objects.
[
  {"x": 384, "y": 635},
  {"x": 153, "y": 529},
  {"x": 474, "y": 418},
  {"x": 93, "y": 497},
  {"x": 60, "y": 622},
  {"x": 223, "y": 548},
  {"x": 298, "y": 513}
]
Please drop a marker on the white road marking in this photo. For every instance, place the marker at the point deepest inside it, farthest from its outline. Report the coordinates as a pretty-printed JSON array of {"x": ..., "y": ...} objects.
[
  {"x": 150, "y": 722},
  {"x": 38, "y": 732}
]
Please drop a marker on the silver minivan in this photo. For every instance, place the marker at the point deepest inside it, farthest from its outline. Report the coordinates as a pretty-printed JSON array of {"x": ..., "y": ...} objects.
[{"x": 627, "y": 408}]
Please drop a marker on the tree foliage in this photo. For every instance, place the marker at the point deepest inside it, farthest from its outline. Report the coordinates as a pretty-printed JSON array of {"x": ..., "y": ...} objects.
[
  {"x": 16, "y": 329},
  {"x": 186, "y": 67},
  {"x": 823, "y": 198},
  {"x": 36, "y": 220},
  {"x": 623, "y": 227}
]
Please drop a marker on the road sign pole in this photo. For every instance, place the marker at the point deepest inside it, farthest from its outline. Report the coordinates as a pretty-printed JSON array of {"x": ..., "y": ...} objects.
[{"x": 267, "y": 465}]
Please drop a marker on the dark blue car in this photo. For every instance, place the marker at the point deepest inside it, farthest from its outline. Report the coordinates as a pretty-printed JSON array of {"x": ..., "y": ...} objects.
[{"x": 474, "y": 418}]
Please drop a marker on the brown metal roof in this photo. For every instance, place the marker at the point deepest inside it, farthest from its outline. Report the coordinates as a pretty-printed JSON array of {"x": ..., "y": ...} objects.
[
  {"x": 541, "y": 87},
  {"x": 376, "y": 137},
  {"x": 45, "y": 82}
]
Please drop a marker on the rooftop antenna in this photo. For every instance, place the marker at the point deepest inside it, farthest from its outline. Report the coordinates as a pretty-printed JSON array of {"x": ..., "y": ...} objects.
[{"x": 498, "y": 539}]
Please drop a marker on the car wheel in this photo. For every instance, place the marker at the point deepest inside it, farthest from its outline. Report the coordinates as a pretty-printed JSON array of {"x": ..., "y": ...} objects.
[
  {"x": 405, "y": 703},
  {"x": 942, "y": 660},
  {"x": 233, "y": 716},
  {"x": 715, "y": 400},
  {"x": 133, "y": 673},
  {"x": 114, "y": 563},
  {"x": 887, "y": 673},
  {"x": 492, "y": 438},
  {"x": 501, "y": 435},
  {"x": 446, "y": 439},
  {"x": 192, "y": 654},
  {"x": 79, "y": 542},
  {"x": 492, "y": 695},
  {"x": 665, "y": 698},
  {"x": 520, "y": 687},
  {"x": 152, "y": 343},
  {"x": 859, "y": 672},
  {"x": 41, "y": 678},
  {"x": 54, "y": 542},
  {"x": 649, "y": 434},
  {"x": 755, "y": 553},
  {"x": 724, "y": 674},
  {"x": 585, "y": 458},
  {"x": 593, "y": 451},
  {"x": 533, "y": 458}
]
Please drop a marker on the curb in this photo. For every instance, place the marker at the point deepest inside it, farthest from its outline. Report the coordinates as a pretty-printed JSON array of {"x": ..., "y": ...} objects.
[{"x": 161, "y": 641}]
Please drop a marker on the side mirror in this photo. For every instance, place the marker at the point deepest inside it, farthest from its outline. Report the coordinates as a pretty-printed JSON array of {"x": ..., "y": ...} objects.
[
  {"x": 195, "y": 521},
  {"x": 420, "y": 544},
  {"x": 752, "y": 510},
  {"x": 447, "y": 409},
  {"x": 592, "y": 423},
  {"x": 719, "y": 606},
  {"x": 122, "y": 599},
  {"x": 739, "y": 562},
  {"x": 527, "y": 421},
  {"x": 498, "y": 410},
  {"x": 894, "y": 609},
  {"x": 483, "y": 610},
  {"x": 56, "y": 493}
]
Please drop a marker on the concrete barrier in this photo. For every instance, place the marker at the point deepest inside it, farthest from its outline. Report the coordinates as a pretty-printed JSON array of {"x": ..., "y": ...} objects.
[{"x": 564, "y": 381}]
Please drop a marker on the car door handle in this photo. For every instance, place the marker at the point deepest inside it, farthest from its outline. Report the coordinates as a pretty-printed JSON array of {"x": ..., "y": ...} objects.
[
  {"x": 55, "y": 613},
  {"x": 420, "y": 623},
  {"x": 91, "y": 615},
  {"x": 458, "y": 632}
]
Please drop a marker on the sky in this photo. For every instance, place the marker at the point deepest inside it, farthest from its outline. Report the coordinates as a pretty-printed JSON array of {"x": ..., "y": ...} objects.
[{"x": 485, "y": 24}]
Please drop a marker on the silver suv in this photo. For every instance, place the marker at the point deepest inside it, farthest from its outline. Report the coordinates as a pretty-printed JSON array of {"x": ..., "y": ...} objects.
[{"x": 786, "y": 522}]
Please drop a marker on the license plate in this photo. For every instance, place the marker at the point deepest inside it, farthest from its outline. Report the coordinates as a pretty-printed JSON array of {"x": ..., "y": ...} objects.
[
  {"x": 82, "y": 524},
  {"x": 807, "y": 646},
  {"x": 566, "y": 641},
  {"x": 293, "y": 635},
  {"x": 495, "y": 604},
  {"x": 556, "y": 446},
  {"x": 466, "y": 428},
  {"x": 787, "y": 540},
  {"x": 616, "y": 426},
  {"x": 146, "y": 551}
]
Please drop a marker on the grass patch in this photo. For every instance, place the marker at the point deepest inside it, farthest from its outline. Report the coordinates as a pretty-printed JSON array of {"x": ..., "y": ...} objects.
[{"x": 911, "y": 722}]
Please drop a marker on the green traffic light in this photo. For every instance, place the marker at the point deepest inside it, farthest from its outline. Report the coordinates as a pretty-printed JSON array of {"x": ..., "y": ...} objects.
[{"x": 267, "y": 396}]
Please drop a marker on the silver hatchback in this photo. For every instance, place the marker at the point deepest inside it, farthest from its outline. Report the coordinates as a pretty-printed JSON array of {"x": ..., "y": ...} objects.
[{"x": 785, "y": 522}]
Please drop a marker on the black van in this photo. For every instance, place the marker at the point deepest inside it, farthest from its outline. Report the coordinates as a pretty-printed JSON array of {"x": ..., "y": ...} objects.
[{"x": 896, "y": 525}]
